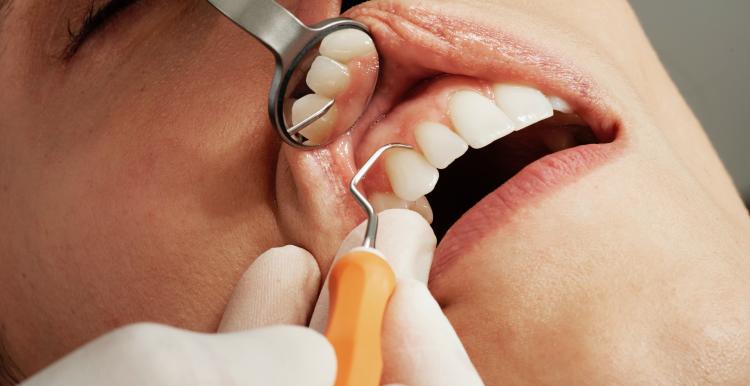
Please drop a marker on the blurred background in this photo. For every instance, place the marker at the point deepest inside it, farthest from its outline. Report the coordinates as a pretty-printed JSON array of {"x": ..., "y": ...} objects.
[{"x": 705, "y": 45}]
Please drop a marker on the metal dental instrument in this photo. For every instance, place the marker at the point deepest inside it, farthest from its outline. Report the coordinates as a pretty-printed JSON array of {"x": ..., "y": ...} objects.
[
  {"x": 360, "y": 284},
  {"x": 293, "y": 45},
  {"x": 372, "y": 218}
]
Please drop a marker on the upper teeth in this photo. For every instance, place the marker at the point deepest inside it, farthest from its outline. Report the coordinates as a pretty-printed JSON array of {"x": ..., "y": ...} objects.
[
  {"x": 318, "y": 131},
  {"x": 346, "y": 44},
  {"x": 439, "y": 144},
  {"x": 382, "y": 201},
  {"x": 328, "y": 77},
  {"x": 559, "y": 104},
  {"x": 410, "y": 174},
  {"x": 525, "y": 105},
  {"x": 476, "y": 120}
]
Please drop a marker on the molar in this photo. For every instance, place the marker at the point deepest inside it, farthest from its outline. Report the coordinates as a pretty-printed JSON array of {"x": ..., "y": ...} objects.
[
  {"x": 477, "y": 120},
  {"x": 318, "y": 131},
  {"x": 525, "y": 105},
  {"x": 439, "y": 144},
  {"x": 327, "y": 77},
  {"x": 411, "y": 176},
  {"x": 346, "y": 44}
]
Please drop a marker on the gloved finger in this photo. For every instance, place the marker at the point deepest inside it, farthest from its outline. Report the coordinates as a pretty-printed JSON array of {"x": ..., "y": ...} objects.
[
  {"x": 405, "y": 239},
  {"x": 420, "y": 347},
  {"x": 280, "y": 287},
  {"x": 156, "y": 355}
]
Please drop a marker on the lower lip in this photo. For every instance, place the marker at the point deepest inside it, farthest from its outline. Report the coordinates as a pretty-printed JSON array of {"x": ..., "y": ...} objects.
[{"x": 542, "y": 177}]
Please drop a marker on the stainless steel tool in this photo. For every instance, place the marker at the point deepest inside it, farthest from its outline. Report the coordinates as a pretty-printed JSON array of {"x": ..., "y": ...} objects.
[{"x": 293, "y": 44}]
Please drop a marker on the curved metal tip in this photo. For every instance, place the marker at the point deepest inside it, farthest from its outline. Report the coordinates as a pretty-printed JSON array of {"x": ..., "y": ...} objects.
[
  {"x": 312, "y": 118},
  {"x": 372, "y": 217}
]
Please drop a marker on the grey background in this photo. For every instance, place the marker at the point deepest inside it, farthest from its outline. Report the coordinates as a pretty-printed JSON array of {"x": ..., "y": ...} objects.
[{"x": 705, "y": 45}]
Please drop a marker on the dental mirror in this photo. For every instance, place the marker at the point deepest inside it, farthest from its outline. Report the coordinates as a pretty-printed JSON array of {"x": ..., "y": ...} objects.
[{"x": 325, "y": 74}]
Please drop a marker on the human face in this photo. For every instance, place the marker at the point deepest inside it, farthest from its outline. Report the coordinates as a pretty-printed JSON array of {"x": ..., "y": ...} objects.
[{"x": 140, "y": 177}]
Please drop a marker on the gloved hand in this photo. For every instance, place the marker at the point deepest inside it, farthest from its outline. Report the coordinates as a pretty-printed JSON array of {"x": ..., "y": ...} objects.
[
  {"x": 419, "y": 348},
  {"x": 278, "y": 288}
]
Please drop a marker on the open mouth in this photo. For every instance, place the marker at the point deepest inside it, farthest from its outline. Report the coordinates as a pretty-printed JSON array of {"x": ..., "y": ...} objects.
[
  {"x": 470, "y": 138},
  {"x": 494, "y": 121},
  {"x": 479, "y": 172}
]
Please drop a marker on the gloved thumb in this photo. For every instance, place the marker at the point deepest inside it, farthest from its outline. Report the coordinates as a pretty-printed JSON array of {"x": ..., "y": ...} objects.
[{"x": 404, "y": 238}]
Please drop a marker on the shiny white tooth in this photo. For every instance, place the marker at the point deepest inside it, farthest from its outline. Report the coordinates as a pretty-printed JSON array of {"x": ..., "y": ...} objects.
[
  {"x": 411, "y": 176},
  {"x": 524, "y": 105},
  {"x": 346, "y": 44},
  {"x": 327, "y": 77},
  {"x": 319, "y": 131},
  {"x": 383, "y": 200},
  {"x": 422, "y": 206},
  {"x": 477, "y": 120},
  {"x": 559, "y": 104},
  {"x": 439, "y": 144}
]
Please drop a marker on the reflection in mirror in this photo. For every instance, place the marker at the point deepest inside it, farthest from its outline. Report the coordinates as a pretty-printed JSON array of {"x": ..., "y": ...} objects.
[{"x": 344, "y": 69}]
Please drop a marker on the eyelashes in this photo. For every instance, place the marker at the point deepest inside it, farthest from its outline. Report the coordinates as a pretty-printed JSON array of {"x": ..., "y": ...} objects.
[{"x": 94, "y": 20}]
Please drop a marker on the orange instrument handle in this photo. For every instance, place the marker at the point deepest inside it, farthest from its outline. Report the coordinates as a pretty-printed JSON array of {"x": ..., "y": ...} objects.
[{"x": 360, "y": 285}]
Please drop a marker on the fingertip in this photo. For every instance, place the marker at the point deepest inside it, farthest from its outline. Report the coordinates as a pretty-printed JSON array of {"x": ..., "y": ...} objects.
[{"x": 408, "y": 242}]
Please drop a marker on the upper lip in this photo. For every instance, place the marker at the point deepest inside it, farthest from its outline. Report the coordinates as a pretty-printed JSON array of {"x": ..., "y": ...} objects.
[{"x": 415, "y": 42}]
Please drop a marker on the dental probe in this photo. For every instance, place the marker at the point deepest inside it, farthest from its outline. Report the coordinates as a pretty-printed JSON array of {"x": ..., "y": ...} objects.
[
  {"x": 293, "y": 44},
  {"x": 360, "y": 284}
]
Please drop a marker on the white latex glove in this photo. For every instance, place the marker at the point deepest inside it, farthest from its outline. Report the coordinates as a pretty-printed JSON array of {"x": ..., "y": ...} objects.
[
  {"x": 420, "y": 346},
  {"x": 278, "y": 288}
]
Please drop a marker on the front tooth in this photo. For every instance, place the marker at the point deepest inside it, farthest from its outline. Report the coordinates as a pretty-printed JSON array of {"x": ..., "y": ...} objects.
[
  {"x": 327, "y": 77},
  {"x": 525, "y": 105},
  {"x": 346, "y": 44},
  {"x": 476, "y": 119},
  {"x": 559, "y": 104},
  {"x": 411, "y": 176},
  {"x": 439, "y": 144},
  {"x": 382, "y": 201},
  {"x": 422, "y": 206},
  {"x": 319, "y": 131}
]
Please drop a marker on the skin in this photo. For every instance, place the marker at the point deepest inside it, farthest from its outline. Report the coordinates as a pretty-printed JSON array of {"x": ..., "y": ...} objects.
[{"x": 140, "y": 178}]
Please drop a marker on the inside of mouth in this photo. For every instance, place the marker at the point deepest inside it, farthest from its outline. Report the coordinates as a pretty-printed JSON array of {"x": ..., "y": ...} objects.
[
  {"x": 346, "y": 4},
  {"x": 479, "y": 172}
]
